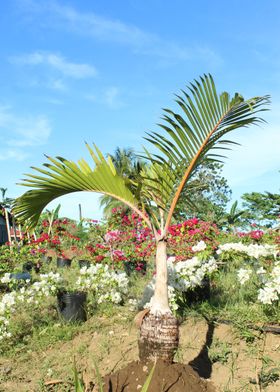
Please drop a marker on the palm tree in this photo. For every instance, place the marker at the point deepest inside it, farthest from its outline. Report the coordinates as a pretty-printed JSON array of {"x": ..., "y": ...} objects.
[
  {"x": 6, "y": 202},
  {"x": 186, "y": 141},
  {"x": 233, "y": 218},
  {"x": 129, "y": 166}
]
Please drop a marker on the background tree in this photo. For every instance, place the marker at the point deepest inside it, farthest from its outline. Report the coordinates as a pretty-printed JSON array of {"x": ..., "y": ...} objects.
[
  {"x": 261, "y": 208},
  {"x": 128, "y": 166},
  {"x": 5, "y": 202},
  {"x": 233, "y": 219},
  {"x": 209, "y": 194},
  {"x": 186, "y": 141}
]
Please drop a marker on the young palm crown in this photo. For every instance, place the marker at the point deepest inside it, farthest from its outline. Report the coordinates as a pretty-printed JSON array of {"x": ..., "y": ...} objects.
[{"x": 185, "y": 141}]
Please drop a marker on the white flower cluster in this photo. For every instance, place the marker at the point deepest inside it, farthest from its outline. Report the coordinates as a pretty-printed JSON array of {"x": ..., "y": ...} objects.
[
  {"x": 271, "y": 289},
  {"x": 182, "y": 276},
  {"x": 6, "y": 278},
  {"x": 7, "y": 307},
  {"x": 46, "y": 286},
  {"x": 252, "y": 250},
  {"x": 199, "y": 246},
  {"x": 268, "y": 280},
  {"x": 107, "y": 284},
  {"x": 244, "y": 275}
]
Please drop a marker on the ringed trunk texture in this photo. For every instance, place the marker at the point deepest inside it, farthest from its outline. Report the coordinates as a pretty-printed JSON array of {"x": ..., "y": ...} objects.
[
  {"x": 159, "y": 331},
  {"x": 159, "y": 337}
]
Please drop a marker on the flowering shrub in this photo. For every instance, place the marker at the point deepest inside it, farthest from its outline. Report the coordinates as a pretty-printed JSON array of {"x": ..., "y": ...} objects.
[
  {"x": 259, "y": 264},
  {"x": 267, "y": 281},
  {"x": 270, "y": 290},
  {"x": 33, "y": 295},
  {"x": 107, "y": 285},
  {"x": 99, "y": 281},
  {"x": 183, "y": 276},
  {"x": 184, "y": 236},
  {"x": 123, "y": 239},
  {"x": 252, "y": 250}
]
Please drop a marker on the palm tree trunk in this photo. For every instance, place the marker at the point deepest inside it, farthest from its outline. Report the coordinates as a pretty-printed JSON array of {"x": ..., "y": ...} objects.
[
  {"x": 159, "y": 331},
  {"x": 8, "y": 226}
]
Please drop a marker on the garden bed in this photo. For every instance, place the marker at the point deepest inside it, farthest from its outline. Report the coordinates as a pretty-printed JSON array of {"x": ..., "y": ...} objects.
[{"x": 231, "y": 363}]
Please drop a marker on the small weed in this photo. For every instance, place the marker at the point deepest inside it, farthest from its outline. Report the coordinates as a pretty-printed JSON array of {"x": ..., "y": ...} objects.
[
  {"x": 269, "y": 377},
  {"x": 219, "y": 351}
]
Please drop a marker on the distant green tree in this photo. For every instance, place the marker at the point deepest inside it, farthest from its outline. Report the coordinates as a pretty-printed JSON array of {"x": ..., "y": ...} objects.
[
  {"x": 261, "y": 208},
  {"x": 233, "y": 219},
  {"x": 5, "y": 202},
  {"x": 50, "y": 216},
  {"x": 129, "y": 166},
  {"x": 209, "y": 194}
]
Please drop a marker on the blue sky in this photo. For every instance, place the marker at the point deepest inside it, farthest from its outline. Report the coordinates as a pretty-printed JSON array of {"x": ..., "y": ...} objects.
[{"x": 100, "y": 71}]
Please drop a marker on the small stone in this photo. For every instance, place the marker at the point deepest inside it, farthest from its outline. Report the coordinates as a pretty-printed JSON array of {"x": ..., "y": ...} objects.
[
  {"x": 5, "y": 370},
  {"x": 111, "y": 332},
  {"x": 145, "y": 368},
  {"x": 139, "y": 386}
]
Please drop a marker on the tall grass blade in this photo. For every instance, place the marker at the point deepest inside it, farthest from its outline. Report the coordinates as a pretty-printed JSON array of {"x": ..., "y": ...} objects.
[
  {"x": 149, "y": 379},
  {"x": 78, "y": 384},
  {"x": 99, "y": 378}
]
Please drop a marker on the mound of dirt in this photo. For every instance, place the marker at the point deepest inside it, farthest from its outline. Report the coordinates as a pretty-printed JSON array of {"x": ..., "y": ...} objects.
[{"x": 167, "y": 377}]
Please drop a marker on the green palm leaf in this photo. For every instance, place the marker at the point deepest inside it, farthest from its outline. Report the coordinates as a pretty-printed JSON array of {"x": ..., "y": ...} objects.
[
  {"x": 199, "y": 136},
  {"x": 187, "y": 140},
  {"x": 62, "y": 177}
]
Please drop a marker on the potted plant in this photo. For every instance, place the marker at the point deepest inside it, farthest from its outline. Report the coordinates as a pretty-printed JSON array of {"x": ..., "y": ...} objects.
[
  {"x": 71, "y": 303},
  {"x": 63, "y": 261},
  {"x": 84, "y": 257},
  {"x": 64, "y": 258}
]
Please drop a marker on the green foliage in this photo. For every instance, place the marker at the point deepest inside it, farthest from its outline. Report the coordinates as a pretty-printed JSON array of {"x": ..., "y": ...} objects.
[
  {"x": 261, "y": 208},
  {"x": 149, "y": 379},
  {"x": 186, "y": 141},
  {"x": 209, "y": 194},
  {"x": 12, "y": 258},
  {"x": 233, "y": 218},
  {"x": 5, "y": 202},
  {"x": 78, "y": 383},
  {"x": 98, "y": 375},
  {"x": 219, "y": 351},
  {"x": 129, "y": 166},
  {"x": 265, "y": 378}
]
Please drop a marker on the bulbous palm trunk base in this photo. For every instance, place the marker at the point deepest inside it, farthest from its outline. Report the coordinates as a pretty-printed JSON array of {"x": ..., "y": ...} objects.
[{"x": 159, "y": 337}]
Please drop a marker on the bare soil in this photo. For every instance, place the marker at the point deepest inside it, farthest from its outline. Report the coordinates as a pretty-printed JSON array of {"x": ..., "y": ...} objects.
[
  {"x": 216, "y": 352},
  {"x": 166, "y": 377}
]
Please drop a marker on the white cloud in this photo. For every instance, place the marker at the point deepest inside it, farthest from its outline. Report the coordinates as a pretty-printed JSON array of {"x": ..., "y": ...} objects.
[
  {"x": 57, "y": 85},
  {"x": 110, "y": 97},
  {"x": 58, "y": 16},
  {"x": 20, "y": 132},
  {"x": 57, "y": 63},
  {"x": 12, "y": 153}
]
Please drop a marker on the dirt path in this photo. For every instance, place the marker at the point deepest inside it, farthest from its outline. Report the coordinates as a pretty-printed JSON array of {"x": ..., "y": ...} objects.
[{"x": 112, "y": 346}]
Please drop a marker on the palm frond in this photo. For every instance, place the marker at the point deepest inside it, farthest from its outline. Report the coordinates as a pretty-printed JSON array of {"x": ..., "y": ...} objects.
[
  {"x": 62, "y": 177},
  {"x": 198, "y": 135}
]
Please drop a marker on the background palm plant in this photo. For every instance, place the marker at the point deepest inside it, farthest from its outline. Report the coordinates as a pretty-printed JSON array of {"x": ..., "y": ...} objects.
[
  {"x": 129, "y": 166},
  {"x": 186, "y": 141}
]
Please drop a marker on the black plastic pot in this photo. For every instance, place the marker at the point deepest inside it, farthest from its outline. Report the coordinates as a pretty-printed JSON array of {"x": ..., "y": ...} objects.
[
  {"x": 28, "y": 266},
  {"x": 84, "y": 263},
  {"x": 21, "y": 276},
  {"x": 199, "y": 293},
  {"x": 72, "y": 306},
  {"x": 62, "y": 262},
  {"x": 46, "y": 259}
]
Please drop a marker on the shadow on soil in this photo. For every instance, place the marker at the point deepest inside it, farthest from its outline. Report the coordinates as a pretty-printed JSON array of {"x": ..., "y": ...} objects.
[{"x": 202, "y": 364}]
